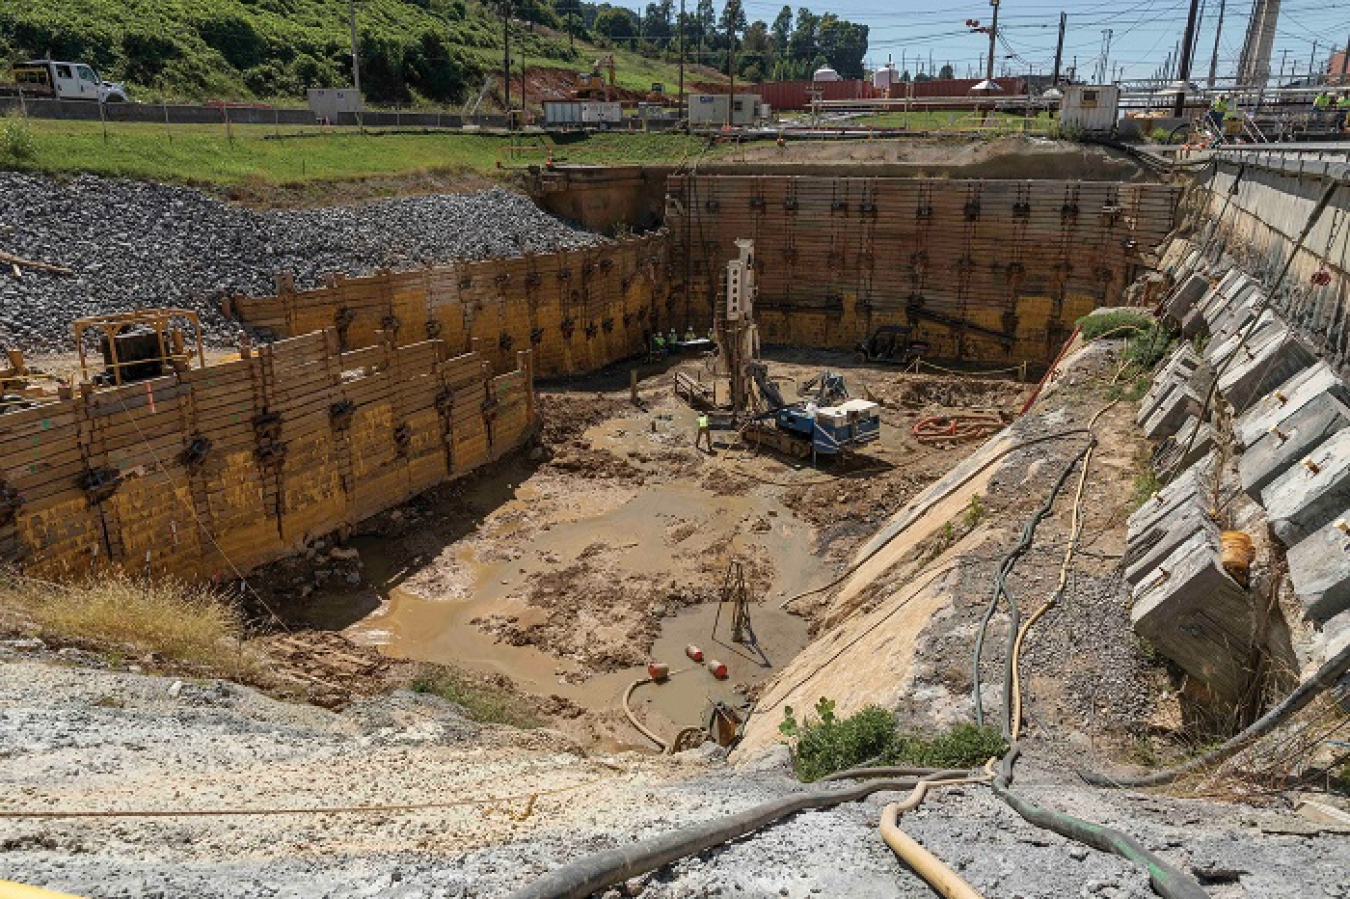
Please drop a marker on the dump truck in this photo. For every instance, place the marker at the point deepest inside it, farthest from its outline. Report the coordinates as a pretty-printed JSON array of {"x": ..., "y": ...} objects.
[{"x": 54, "y": 80}]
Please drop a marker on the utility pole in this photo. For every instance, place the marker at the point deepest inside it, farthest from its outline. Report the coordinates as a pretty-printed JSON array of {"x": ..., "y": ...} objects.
[
  {"x": 1214, "y": 57},
  {"x": 1059, "y": 49},
  {"x": 1312, "y": 60},
  {"x": 506, "y": 59},
  {"x": 1345, "y": 61},
  {"x": 993, "y": 35},
  {"x": 679, "y": 94},
  {"x": 1284, "y": 58},
  {"x": 731, "y": 69},
  {"x": 1185, "y": 69},
  {"x": 356, "y": 58}
]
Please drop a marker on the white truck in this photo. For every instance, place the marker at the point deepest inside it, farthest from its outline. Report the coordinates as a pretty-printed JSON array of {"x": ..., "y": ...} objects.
[{"x": 50, "y": 79}]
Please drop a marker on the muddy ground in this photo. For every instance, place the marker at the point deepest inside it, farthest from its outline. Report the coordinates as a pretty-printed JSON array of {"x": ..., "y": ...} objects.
[{"x": 564, "y": 571}]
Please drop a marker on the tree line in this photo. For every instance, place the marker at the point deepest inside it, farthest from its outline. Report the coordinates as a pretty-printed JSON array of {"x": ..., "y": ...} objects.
[{"x": 792, "y": 46}]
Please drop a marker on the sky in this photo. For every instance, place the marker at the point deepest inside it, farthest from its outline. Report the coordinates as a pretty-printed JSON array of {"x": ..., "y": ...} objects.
[{"x": 1144, "y": 32}]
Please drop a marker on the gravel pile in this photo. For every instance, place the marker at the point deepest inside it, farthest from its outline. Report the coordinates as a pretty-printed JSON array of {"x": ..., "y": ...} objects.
[{"x": 134, "y": 244}]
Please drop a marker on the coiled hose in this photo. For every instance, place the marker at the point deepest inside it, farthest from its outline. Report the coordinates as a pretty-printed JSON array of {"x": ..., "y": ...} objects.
[{"x": 599, "y": 870}]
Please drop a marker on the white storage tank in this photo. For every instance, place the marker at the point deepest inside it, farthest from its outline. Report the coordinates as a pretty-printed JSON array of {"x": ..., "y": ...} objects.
[
  {"x": 885, "y": 76},
  {"x": 825, "y": 73}
]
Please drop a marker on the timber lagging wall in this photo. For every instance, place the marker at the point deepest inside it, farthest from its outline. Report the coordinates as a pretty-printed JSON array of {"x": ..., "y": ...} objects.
[
  {"x": 577, "y": 310},
  {"x": 236, "y": 464},
  {"x": 983, "y": 270}
]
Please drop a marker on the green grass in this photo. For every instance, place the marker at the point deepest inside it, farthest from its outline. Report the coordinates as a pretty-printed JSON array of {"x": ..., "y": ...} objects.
[
  {"x": 205, "y": 154},
  {"x": 1116, "y": 325},
  {"x": 826, "y": 743},
  {"x": 482, "y": 700}
]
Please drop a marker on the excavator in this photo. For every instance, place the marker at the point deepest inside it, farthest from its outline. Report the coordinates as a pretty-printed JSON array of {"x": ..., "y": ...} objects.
[{"x": 592, "y": 85}]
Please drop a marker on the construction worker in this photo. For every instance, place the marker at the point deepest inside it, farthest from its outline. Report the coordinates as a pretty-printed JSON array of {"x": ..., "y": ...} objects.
[
  {"x": 1321, "y": 103},
  {"x": 689, "y": 336},
  {"x": 1342, "y": 109},
  {"x": 704, "y": 430},
  {"x": 658, "y": 346},
  {"x": 1218, "y": 110},
  {"x": 672, "y": 338}
]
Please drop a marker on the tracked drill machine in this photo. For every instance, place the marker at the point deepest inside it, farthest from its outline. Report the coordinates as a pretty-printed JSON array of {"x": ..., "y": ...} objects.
[{"x": 823, "y": 420}]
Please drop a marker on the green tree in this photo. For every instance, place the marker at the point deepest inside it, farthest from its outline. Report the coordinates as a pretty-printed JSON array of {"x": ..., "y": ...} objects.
[
  {"x": 617, "y": 25},
  {"x": 756, "y": 56},
  {"x": 781, "y": 30},
  {"x": 946, "y": 72},
  {"x": 802, "y": 42}
]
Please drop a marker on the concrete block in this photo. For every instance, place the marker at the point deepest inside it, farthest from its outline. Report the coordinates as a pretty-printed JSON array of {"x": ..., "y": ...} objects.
[
  {"x": 1195, "y": 321},
  {"x": 1261, "y": 367},
  {"x": 1180, "y": 366},
  {"x": 1181, "y": 450},
  {"x": 1337, "y": 634},
  {"x": 1199, "y": 617},
  {"x": 1320, "y": 570},
  {"x": 1185, "y": 295},
  {"x": 1304, "y": 387},
  {"x": 1172, "y": 410},
  {"x": 1237, "y": 312},
  {"x": 1147, "y": 551},
  {"x": 1288, "y": 441},
  {"x": 1218, "y": 351},
  {"x": 1184, "y": 489},
  {"x": 1309, "y": 495}
]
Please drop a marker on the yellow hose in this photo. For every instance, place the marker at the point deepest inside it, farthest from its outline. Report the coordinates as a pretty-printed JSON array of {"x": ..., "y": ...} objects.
[
  {"x": 1075, "y": 530},
  {"x": 932, "y": 869},
  {"x": 11, "y": 890}
]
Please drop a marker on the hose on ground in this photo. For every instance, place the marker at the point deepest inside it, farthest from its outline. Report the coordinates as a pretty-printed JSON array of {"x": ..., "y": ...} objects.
[
  {"x": 932, "y": 869},
  {"x": 600, "y": 870},
  {"x": 1167, "y": 880},
  {"x": 891, "y": 771},
  {"x": 1001, "y": 590},
  {"x": 666, "y": 748},
  {"x": 1326, "y": 677}
]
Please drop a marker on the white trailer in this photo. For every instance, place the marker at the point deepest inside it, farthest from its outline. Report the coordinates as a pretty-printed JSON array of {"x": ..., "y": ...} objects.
[
  {"x": 562, "y": 113},
  {"x": 594, "y": 112},
  {"x": 710, "y": 110}
]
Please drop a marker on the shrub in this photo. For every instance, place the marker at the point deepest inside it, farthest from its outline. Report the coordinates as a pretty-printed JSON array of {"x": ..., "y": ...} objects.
[
  {"x": 16, "y": 139},
  {"x": 1114, "y": 324},
  {"x": 483, "y": 701},
  {"x": 827, "y": 743}
]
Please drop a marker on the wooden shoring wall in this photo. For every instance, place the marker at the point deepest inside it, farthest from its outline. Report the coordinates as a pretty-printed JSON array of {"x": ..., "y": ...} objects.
[
  {"x": 576, "y": 310},
  {"x": 1018, "y": 261},
  {"x": 219, "y": 469}
]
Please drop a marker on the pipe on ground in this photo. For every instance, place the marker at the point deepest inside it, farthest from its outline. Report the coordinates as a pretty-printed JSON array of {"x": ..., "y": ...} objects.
[
  {"x": 1167, "y": 880},
  {"x": 1326, "y": 677},
  {"x": 613, "y": 866},
  {"x": 932, "y": 869}
]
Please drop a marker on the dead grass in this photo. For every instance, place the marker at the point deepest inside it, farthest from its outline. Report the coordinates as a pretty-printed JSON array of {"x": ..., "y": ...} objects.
[{"x": 121, "y": 615}]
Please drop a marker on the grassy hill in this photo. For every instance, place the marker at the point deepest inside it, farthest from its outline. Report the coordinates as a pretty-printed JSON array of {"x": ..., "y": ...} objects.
[{"x": 418, "y": 51}]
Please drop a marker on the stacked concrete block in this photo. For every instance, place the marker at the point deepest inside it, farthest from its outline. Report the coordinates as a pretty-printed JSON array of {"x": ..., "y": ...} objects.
[
  {"x": 1196, "y": 321},
  {"x": 1147, "y": 550},
  {"x": 1288, "y": 441},
  {"x": 1180, "y": 366},
  {"x": 1192, "y": 441},
  {"x": 1245, "y": 302},
  {"x": 1320, "y": 569},
  {"x": 1198, "y": 616},
  {"x": 1186, "y": 489},
  {"x": 1262, "y": 365},
  {"x": 1220, "y": 350},
  {"x": 1311, "y": 494},
  {"x": 1186, "y": 294},
  {"x": 1307, "y": 386},
  {"x": 1179, "y": 402}
]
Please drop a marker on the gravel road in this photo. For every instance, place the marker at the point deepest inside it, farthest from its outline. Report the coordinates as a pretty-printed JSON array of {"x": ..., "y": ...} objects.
[
  {"x": 136, "y": 244},
  {"x": 77, "y": 737}
]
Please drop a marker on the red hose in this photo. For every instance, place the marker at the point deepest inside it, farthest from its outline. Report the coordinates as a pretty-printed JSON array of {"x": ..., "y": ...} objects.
[{"x": 968, "y": 426}]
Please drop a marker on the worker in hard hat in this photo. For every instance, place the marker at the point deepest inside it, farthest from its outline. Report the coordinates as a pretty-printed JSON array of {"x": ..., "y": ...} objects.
[
  {"x": 1321, "y": 103},
  {"x": 704, "y": 431},
  {"x": 1342, "y": 109},
  {"x": 1218, "y": 110},
  {"x": 658, "y": 346}
]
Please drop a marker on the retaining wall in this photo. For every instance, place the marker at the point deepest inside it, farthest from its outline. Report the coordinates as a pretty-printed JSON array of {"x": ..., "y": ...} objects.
[
  {"x": 984, "y": 270},
  {"x": 577, "y": 310},
  {"x": 219, "y": 469},
  {"x": 1253, "y": 213}
]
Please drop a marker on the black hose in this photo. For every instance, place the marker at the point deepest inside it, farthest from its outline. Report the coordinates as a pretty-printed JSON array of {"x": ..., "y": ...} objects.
[
  {"x": 1167, "y": 881},
  {"x": 1001, "y": 590},
  {"x": 595, "y": 872},
  {"x": 1332, "y": 671},
  {"x": 894, "y": 771}
]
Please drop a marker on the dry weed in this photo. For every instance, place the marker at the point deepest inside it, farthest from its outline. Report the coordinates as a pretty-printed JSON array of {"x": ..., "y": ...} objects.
[{"x": 182, "y": 623}]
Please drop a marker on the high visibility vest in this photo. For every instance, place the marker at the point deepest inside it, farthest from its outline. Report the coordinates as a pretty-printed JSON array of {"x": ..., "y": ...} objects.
[
  {"x": 703, "y": 422},
  {"x": 1343, "y": 103},
  {"x": 1219, "y": 105},
  {"x": 1322, "y": 101}
]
